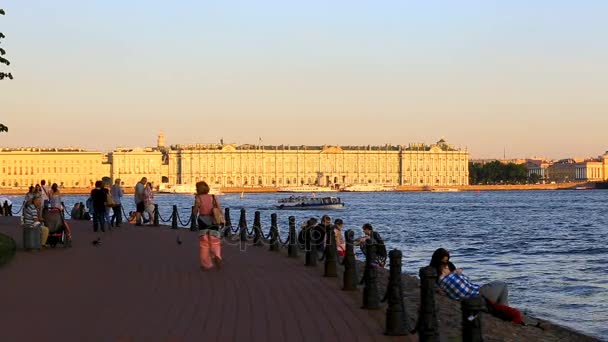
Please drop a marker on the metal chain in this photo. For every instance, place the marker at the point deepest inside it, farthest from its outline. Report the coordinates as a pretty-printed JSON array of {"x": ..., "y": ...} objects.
[
  {"x": 66, "y": 212},
  {"x": 162, "y": 219},
  {"x": 122, "y": 208},
  {"x": 269, "y": 235},
  {"x": 180, "y": 220},
  {"x": 281, "y": 240},
  {"x": 18, "y": 211}
]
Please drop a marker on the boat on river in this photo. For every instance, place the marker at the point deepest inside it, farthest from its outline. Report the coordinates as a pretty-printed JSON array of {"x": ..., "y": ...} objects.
[
  {"x": 184, "y": 189},
  {"x": 310, "y": 203},
  {"x": 307, "y": 188},
  {"x": 444, "y": 190},
  {"x": 369, "y": 188}
]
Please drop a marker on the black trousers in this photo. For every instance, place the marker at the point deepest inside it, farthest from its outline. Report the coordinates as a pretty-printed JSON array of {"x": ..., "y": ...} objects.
[{"x": 117, "y": 215}]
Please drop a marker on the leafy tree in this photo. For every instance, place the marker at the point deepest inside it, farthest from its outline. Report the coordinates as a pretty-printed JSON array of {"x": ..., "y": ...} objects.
[
  {"x": 496, "y": 172},
  {"x": 3, "y": 60},
  {"x": 534, "y": 178}
]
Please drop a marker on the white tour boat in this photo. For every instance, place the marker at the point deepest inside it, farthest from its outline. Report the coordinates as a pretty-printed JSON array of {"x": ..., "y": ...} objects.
[
  {"x": 310, "y": 203},
  {"x": 307, "y": 188},
  {"x": 369, "y": 188},
  {"x": 184, "y": 189},
  {"x": 444, "y": 190}
]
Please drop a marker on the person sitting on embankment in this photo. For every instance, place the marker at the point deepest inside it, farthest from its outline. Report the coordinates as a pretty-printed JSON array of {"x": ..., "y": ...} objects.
[{"x": 457, "y": 286}]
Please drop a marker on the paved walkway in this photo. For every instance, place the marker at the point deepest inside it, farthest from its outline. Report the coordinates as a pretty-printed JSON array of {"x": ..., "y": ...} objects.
[{"x": 140, "y": 285}]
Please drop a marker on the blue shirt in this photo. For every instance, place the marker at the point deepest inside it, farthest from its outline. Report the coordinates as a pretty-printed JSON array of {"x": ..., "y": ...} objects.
[{"x": 457, "y": 286}]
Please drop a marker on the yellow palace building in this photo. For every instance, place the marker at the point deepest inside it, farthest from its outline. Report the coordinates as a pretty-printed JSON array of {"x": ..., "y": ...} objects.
[{"x": 231, "y": 165}]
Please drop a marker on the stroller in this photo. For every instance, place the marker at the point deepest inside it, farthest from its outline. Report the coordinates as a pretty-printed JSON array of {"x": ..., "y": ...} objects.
[{"x": 54, "y": 221}]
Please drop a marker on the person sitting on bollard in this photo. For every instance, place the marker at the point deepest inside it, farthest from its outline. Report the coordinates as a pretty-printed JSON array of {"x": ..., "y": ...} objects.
[
  {"x": 32, "y": 217},
  {"x": 370, "y": 236},
  {"x": 340, "y": 243}
]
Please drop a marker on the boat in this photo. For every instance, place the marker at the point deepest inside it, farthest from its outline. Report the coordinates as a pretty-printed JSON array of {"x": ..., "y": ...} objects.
[
  {"x": 184, "y": 189},
  {"x": 310, "y": 203},
  {"x": 369, "y": 188},
  {"x": 307, "y": 188},
  {"x": 444, "y": 190}
]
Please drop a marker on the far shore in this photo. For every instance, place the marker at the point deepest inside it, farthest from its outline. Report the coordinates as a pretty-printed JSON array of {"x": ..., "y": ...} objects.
[{"x": 228, "y": 190}]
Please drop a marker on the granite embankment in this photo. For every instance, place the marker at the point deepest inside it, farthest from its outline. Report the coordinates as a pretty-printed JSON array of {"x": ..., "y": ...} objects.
[{"x": 560, "y": 186}]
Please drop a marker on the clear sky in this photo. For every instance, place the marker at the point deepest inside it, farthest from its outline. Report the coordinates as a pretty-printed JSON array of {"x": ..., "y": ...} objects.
[{"x": 527, "y": 77}]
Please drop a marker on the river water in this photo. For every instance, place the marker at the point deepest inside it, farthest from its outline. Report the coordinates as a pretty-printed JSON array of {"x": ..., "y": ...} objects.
[{"x": 549, "y": 246}]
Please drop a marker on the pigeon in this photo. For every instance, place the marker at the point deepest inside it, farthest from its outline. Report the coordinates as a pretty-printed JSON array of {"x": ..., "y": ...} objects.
[
  {"x": 96, "y": 242},
  {"x": 179, "y": 241}
]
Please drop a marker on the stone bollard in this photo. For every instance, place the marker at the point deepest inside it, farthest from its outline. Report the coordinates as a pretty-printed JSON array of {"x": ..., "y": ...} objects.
[
  {"x": 257, "y": 229},
  {"x": 396, "y": 316},
  {"x": 371, "y": 299},
  {"x": 471, "y": 319},
  {"x": 155, "y": 221},
  {"x": 193, "y": 223},
  {"x": 331, "y": 253},
  {"x": 174, "y": 217},
  {"x": 292, "y": 248},
  {"x": 349, "y": 263},
  {"x": 428, "y": 327},
  {"x": 228, "y": 226},
  {"x": 311, "y": 250},
  {"x": 243, "y": 229},
  {"x": 274, "y": 233}
]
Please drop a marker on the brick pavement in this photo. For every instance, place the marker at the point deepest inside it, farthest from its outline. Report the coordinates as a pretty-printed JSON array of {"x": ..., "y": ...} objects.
[{"x": 140, "y": 285}]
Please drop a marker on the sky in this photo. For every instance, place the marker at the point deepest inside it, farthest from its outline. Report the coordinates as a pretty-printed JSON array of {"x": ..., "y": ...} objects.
[{"x": 514, "y": 78}]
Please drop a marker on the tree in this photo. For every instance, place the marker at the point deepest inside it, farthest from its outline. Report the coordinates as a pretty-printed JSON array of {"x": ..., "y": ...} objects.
[{"x": 3, "y": 74}]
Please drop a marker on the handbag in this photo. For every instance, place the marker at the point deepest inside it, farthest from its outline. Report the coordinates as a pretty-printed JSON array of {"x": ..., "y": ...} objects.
[
  {"x": 110, "y": 200},
  {"x": 218, "y": 216}
]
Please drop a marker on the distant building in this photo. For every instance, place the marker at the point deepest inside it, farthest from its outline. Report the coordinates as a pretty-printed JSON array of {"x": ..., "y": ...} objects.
[
  {"x": 538, "y": 167},
  {"x": 252, "y": 165},
  {"x": 562, "y": 171},
  {"x": 590, "y": 170},
  {"x": 68, "y": 167},
  {"x": 231, "y": 165}
]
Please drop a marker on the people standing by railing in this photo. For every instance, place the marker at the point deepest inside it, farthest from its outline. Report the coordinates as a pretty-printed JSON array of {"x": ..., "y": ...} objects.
[
  {"x": 340, "y": 243},
  {"x": 149, "y": 202},
  {"x": 99, "y": 200},
  {"x": 117, "y": 193},
  {"x": 45, "y": 191},
  {"x": 29, "y": 196},
  {"x": 55, "y": 198},
  {"x": 209, "y": 233},
  {"x": 140, "y": 187}
]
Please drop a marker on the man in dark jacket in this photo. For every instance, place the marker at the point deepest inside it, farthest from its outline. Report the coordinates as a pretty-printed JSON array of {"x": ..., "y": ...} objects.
[{"x": 99, "y": 198}]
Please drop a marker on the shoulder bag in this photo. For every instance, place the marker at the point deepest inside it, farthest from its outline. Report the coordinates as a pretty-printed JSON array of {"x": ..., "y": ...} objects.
[{"x": 218, "y": 216}]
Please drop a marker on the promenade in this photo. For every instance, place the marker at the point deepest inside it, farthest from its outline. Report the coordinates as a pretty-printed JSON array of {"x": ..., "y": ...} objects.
[{"x": 140, "y": 285}]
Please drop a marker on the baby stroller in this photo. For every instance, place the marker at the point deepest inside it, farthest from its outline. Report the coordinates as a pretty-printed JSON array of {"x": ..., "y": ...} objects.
[{"x": 54, "y": 221}]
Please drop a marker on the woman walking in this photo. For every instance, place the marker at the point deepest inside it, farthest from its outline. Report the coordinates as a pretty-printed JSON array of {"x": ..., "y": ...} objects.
[{"x": 209, "y": 232}]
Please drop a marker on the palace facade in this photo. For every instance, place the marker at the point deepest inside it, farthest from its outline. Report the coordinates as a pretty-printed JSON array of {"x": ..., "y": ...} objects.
[{"x": 229, "y": 165}]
